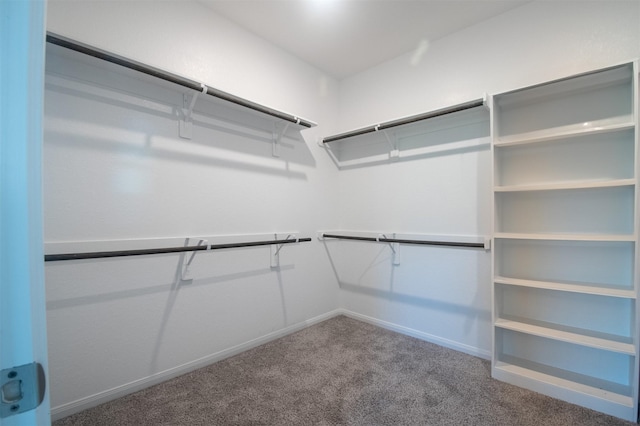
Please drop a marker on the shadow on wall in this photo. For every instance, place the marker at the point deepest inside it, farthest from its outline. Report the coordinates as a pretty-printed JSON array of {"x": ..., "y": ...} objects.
[
  {"x": 376, "y": 276},
  {"x": 152, "y": 147},
  {"x": 133, "y": 288},
  {"x": 430, "y": 304},
  {"x": 103, "y": 265},
  {"x": 89, "y": 96}
]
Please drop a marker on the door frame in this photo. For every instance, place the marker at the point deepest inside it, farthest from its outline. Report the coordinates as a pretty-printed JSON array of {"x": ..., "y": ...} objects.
[{"x": 23, "y": 335}]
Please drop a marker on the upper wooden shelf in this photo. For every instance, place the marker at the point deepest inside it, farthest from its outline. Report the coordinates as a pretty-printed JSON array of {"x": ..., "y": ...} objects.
[
  {"x": 224, "y": 98},
  {"x": 563, "y": 87},
  {"x": 564, "y": 381},
  {"x": 583, "y": 184}
]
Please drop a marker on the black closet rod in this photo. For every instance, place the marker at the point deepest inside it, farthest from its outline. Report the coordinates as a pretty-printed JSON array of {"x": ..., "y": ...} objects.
[
  {"x": 164, "y": 75},
  {"x": 139, "y": 252},
  {"x": 407, "y": 120},
  {"x": 403, "y": 241}
]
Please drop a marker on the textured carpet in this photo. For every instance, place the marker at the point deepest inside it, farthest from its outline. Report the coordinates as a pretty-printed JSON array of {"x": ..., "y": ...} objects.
[{"x": 340, "y": 372}]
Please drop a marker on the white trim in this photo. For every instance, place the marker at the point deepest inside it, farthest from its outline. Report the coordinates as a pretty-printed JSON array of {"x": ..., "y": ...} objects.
[
  {"x": 451, "y": 344},
  {"x": 23, "y": 321}
]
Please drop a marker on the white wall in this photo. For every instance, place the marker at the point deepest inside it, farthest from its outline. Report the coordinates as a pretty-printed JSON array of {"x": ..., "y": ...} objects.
[
  {"x": 444, "y": 294},
  {"x": 116, "y": 169},
  {"x": 539, "y": 41}
]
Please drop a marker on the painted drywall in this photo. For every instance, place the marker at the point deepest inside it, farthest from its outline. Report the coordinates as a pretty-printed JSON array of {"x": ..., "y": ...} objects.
[
  {"x": 115, "y": 169},
  {"x": 444, "y": 294},
  {"x": 187, "y": 38},
  {"x": 537, "y": 42}
]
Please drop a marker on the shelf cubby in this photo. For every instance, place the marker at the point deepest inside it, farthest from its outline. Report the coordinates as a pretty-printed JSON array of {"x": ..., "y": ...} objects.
[
  {"x": 606, "y": 265},
  {"x": 583, "y": 319},
  {"x": 578, "y": 161},
  {"x": 591, "y": 100},
  {"x": 570, "y": 362},
  {"x": 614, "y": 398},
  {"x": 611, "y": 211}
]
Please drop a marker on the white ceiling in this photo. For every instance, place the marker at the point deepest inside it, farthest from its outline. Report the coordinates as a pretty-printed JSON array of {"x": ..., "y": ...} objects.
[{"x": 344, "y": 37}]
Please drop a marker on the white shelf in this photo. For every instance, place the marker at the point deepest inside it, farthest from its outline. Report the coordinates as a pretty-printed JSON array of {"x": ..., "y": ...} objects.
[
  {"x": 227, "y": 107},
  {"x": 405, "y": 122},
  {"x": 583, "y": 288},
  {"x": 567, "y": 86},
  {"x": 565, "y": 386},
  {"x": 566, "y": 185},
  {"x": 565, "y": 230},
  {"x": 439, "y": 132},
  {"x": 565, "y": 132},
  {"x": 608, "y": 344},
  {"x": 566, "y": 237}
]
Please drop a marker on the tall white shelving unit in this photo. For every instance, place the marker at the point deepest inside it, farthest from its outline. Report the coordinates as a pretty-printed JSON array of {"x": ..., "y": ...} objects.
[{"x": 565, "y": 258}]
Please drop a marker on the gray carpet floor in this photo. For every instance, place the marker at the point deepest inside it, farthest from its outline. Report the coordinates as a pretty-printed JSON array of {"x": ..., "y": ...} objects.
[{"x": 340, "y": 372}]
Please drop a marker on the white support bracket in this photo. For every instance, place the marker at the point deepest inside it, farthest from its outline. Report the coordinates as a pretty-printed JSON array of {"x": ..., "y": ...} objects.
[
  {"x": 186, "y": 122},
  {"x": 394, "y": 152},
  {"x": 277, "y": 137},
  {"x": 395, "y": 248},
  {"x": 487, "y": 243},
  {"x": 185, "y": 274},
  {"x": 275, "y": 251}
]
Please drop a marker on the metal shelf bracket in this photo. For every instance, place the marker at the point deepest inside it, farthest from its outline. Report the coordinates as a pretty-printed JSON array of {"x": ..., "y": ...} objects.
[
  {"x": 186, "y": 122},
  {"x": 277, "y": 137},
  {"x": 392, "y": 140},
  {"x": 185, "y": 274},
  {"x": 275, "y": 250},
  {"x": 395, "y": 248}
]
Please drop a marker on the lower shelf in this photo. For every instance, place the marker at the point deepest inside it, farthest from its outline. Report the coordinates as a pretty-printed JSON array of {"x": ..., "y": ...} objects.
[
  {"x": 595, "y": 378},
  {"x": 567, "y": 386}
]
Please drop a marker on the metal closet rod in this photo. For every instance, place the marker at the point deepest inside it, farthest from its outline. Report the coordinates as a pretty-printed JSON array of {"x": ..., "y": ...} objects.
[
  {"x": 403, "y": 241},
  {"x": 407, "y": 120},
  {"x": 140, "y": 252},
  {"x": 167, "y": 76}
]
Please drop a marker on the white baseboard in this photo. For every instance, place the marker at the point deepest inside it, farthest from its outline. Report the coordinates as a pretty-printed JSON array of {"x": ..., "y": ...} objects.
[
  {"x": 460, "y": 347},
  {"x": 82, "y": 404}
]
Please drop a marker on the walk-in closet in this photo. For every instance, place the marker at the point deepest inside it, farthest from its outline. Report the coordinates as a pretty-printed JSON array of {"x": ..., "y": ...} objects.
[{"x": 262, "y": 234}]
